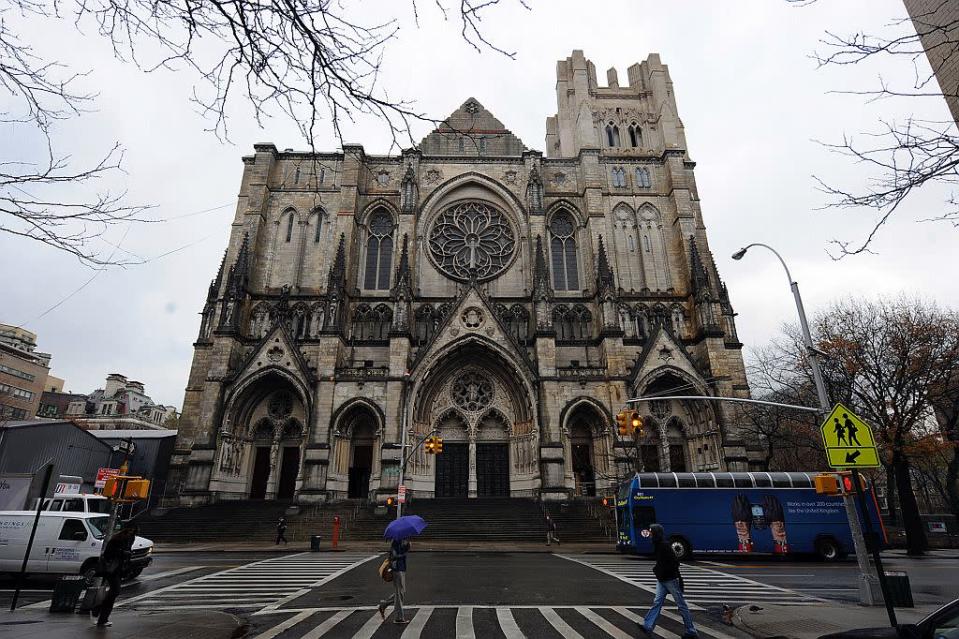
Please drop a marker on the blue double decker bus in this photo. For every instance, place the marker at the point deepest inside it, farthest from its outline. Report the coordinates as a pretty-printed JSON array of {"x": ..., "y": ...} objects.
[{"x": 776, "y": 513}]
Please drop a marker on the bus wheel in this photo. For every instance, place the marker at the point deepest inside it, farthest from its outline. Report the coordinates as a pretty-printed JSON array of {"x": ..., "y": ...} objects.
[
  {"x": 681, "y": 548},
  {"x": 828, "y": 549}
]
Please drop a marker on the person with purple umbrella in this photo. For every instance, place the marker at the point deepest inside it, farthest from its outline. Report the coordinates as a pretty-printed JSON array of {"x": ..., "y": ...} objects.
[
  {"x": 399, "y": 530},
  {"x": 398, "y": 551}
]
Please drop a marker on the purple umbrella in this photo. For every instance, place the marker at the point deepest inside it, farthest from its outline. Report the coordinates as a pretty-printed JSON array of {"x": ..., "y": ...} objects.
[{"x": 406, "y": 526}]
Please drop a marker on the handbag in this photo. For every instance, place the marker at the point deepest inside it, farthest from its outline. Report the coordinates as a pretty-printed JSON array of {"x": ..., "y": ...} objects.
[
  {"x": 94, "y": 596},
  {"x": 386, "y": 570}
]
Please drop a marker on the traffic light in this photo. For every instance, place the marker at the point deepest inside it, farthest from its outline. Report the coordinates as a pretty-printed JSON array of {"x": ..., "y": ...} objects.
[
  {"x": 428, "y": 445},
  {"x": 622, "y": 423},
  {"x": 437, "y": 445},
  {"x": 827, "y": 484},
  {"x": 848, "y": 487},
  {"x": 635, "y": 422},
  {"x": 137, "y": 489},
  {"x": 389, "y": 502}
]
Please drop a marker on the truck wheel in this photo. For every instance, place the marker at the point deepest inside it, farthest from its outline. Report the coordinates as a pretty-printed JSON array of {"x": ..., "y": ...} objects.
[
  {"x": 89, "y": 571},
  {"x": 133, "y": 574},
  {"x": 681, "y": 548},
  {"x": 828, "y": 549}
]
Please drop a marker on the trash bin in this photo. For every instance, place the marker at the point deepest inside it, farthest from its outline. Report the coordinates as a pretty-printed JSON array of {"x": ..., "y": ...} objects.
[
  {"x": 66, "y": 593},
  {"x": 899, "y": 591},
  {"x": 315, "y": 543}
]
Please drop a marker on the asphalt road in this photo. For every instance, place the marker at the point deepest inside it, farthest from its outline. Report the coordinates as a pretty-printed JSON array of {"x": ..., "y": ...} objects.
[{"x": 494, "y": 594}]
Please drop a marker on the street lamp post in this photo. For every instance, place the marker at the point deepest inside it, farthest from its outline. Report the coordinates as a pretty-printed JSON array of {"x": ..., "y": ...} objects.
[{"x": 868, "y": 583}]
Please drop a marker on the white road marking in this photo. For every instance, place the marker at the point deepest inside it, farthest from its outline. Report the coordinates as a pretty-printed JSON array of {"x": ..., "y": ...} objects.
[
  {"x": 508, "y": 625},
  {"x": 600, "y": 621},
  {"x": 415, "y": 629},
  {"x": 327, "y": 625},
  {"x": 464, "y": 623},
  {"x": 286, "y": 625},
  {"x": 561, "y": 626}
]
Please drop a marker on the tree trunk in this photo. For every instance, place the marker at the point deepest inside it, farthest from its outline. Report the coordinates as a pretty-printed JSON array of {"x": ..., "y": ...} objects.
[
  {"x": 916, "y": 542},
  {"x": 891, "y": 494}
]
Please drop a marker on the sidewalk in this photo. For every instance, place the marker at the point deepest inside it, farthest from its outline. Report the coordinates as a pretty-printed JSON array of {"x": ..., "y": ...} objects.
[
  {"x": 127, "y": 624},
  {"x": 810, "y": 622},
  {"x": 382, "y": 546}
]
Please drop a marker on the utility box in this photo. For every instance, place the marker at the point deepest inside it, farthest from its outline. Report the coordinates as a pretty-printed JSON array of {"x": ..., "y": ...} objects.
[
  {"x": 899, "y": 590},
  {"x": 315, "y": 542}
]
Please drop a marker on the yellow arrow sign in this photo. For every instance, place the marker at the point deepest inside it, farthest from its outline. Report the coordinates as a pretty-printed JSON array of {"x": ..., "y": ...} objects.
[{"x": 848, "y": 440}]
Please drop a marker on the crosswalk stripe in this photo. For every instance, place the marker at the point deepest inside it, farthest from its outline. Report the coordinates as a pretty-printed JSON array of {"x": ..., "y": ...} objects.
[
  {"x": 327, "y": 625},
  {"x": 508, "y": 625},
  {"x": 372, "y": 625},
  {"x": 559, "y": 624},
  {"x": 415, "y": 629},
  {"x": 286, "y": 625},
  {"x": 666, "y": 634},
  {"x": 464, "y": 623},
  {"x": 609, "y": 628}
]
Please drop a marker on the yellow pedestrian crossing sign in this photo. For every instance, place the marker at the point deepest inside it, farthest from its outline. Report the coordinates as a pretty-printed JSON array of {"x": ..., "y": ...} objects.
[{"x": 848, "y": 440}]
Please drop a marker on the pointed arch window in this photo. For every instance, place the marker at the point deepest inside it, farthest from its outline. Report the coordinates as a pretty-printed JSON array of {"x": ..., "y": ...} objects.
[
  {"x": 289, "y": 225},
  {"x": 635, "y": 135},
  {"x": 612, "y": 135},
  {"x": 317, "y": 226},
  {"x": 425, "y": 325},
  {"x": 379, "y": 252},
  {"x": 372, "y": 323},
  {"x": 518, "y": 323},
  {"x": 563, "y": 252},
  {"x": 573, "y": 323}
]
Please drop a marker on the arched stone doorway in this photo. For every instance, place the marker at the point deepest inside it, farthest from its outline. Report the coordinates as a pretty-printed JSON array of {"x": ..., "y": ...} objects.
[
  {"x": 680, "y": 435},
  {"x": 473, "y": 398},
  {"x": 357, "y": 433},
  {"x": 259, "y": 450},
  {"x": 587, "y": 449}
]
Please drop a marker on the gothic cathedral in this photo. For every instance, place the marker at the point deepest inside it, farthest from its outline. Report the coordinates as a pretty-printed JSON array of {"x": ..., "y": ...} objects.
[{"x": 472, "y": 288}]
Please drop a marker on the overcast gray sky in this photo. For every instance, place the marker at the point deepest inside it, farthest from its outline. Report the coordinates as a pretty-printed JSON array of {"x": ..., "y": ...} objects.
[{"x": 752, "y": 101}]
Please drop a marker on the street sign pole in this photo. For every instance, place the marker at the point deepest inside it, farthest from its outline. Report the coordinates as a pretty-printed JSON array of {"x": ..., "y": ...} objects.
[{"x": 875, "y": 548}]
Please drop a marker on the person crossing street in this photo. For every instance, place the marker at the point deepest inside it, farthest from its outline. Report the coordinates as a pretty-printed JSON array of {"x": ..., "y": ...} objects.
[
  {"x": 668, "y": 581},
  {"x": 281, "y": 531},
  {"x": 397, "y": 558}
]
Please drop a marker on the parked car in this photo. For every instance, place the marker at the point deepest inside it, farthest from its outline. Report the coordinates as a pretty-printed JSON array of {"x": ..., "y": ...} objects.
[
  {"x": 65, "y": 543},
  {"x": 942, "y": 624}
]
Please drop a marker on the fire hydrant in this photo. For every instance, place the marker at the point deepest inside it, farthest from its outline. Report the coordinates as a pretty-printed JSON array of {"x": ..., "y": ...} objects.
[{"x": 336, "y": 530}]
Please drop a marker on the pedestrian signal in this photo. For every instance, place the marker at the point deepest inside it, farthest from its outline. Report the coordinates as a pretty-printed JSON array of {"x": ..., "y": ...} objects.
[
  {"x": 430, "y": 445},
  {"x": 848, "y": 485},
  {"x": 622, "y": 422},
  {"x": 389, "y": 501},
  {"x": 827, "y": 484},
  {"x": 635, "y": 422},
  {"x": 437, "y": 445},
  {"x": 137, "y": 489}
]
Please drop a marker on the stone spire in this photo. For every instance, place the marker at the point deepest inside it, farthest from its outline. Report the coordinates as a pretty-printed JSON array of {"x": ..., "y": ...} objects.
[
  {"x": 699, "y": 277},
  {"x": 336, "y": 288},
  {"x": 605, "y": 282},
  {"x": 236, "y": 281},
  {"x": 402, "y": 291},
  {"x": 217, "y": 282},
  {"x": 542, "y": 291}
]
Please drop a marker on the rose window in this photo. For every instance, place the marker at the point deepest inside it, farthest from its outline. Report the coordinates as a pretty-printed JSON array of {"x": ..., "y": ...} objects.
[
  {"x": 471, "y": 239},
  {"x": 472, "y": 392}
]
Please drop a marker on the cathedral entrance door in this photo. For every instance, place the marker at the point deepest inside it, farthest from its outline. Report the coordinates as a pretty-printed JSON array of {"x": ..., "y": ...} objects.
[
  {"x": 261, "y": 473},
  {"x": 360, "y": 471},
  {"x": 492, "y": 470},
  {"x": 452, "y": 471},
  {"x": 583, "y": 469},
  {"x": 289, "y": 468}
]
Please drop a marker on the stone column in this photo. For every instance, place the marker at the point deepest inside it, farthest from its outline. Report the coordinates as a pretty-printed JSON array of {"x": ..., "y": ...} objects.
[
  {"x": 664, "y": 446},
  {"x": 472, "y": 454}
]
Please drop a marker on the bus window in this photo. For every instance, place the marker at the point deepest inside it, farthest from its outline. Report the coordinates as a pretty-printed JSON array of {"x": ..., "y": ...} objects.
[
  {"x": 724, "y": 480},
  {"x": 704, "y": 480},
  {"x": 780, "y": 480},
  {"x": 742, "y": 480},
  {"x": 648, "y": 480},
  {"x": 687, "y": 481},
  {"x": 668, "y": 480},
  {"x": 762, "y": 480},
  {"x": 643, "y": 517},
  {"x": 800, "y": 480}
]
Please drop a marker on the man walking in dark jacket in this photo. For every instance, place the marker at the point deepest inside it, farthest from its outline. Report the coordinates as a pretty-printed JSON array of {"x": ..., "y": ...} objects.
[
  {"x": 281, "y": 531},
  {"x": 668, "y": 581},
  {"x": 112, "y": 564}
]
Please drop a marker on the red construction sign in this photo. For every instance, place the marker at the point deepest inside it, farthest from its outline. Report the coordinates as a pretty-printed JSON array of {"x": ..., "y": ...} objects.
[{"x": 103, "y": 474}]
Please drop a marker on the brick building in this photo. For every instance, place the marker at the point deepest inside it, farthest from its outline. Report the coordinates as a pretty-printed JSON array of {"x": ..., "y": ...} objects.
[
  {"x": 508, "y": 300},
  {"x": 23, "y": 373}
]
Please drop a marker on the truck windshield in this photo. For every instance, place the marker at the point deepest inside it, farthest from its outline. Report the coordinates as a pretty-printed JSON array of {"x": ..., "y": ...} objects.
[{"x": 98, "y": 526}]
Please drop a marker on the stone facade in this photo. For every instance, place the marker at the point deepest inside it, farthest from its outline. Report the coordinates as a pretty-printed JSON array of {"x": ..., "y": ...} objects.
[
  {"x": 937, "y": 23},
  {"x": 474, "y": 288}
]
